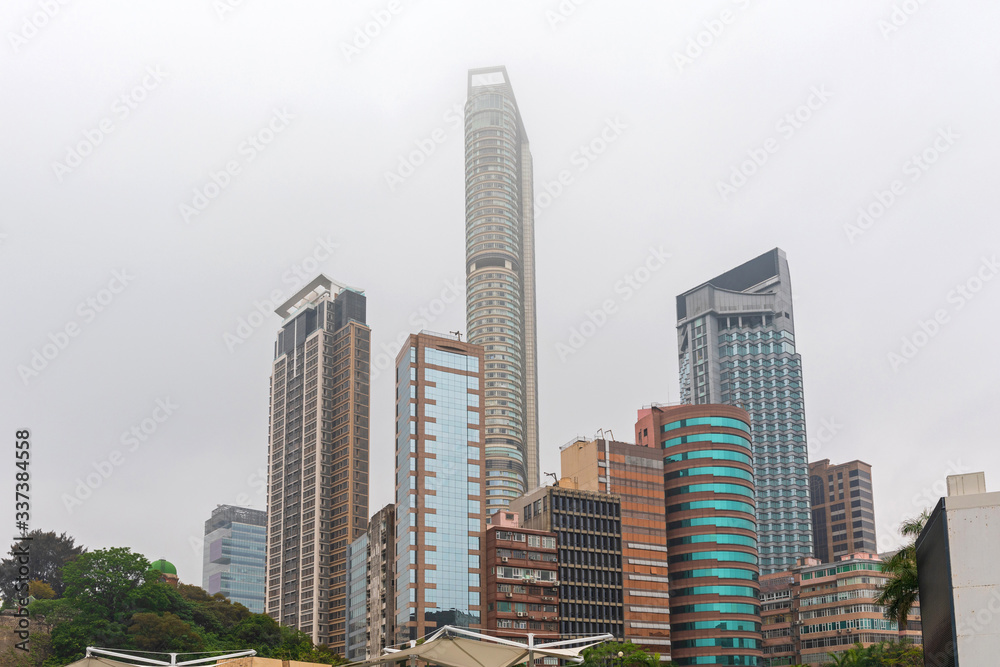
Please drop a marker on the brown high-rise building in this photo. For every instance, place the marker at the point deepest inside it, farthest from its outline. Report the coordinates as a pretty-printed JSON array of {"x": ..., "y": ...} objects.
[
  {"x": 521, "y": 571},
  {"x": 440, "y": 513},
  {"x": 843, "y": 513},
  {"x": 317, "y": 458},
  {"x": 711, "y": 531},
  {"x": 635, "y": 475}
]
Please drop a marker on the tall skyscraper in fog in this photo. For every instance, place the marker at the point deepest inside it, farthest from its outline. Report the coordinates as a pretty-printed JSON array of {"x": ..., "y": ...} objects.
[
  {"x": 736, "y": 345},
  {"x": 500, "y": 280},
  {"x": 318, "y": 457}
]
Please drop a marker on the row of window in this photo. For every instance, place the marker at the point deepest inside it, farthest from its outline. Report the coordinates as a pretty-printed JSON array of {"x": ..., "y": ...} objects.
[
  {"x": 739, "y": 591},
  {"x": 718, "y": 454},
  {"x": 720, "y": 572},
  {"x": 715, "y": 471},
  {"x": 736, "y": 489},
  {"x": 707, "y": 421},
  {"x": 718, "y": 521},
  {"x": 740, "y": 540},
  {"x": 717, "y": 438}
]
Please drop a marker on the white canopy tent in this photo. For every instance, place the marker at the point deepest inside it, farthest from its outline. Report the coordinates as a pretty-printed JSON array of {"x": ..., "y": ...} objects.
[
  {"x": 460, "y": 647},
  {"x": 95, "y": 658}
]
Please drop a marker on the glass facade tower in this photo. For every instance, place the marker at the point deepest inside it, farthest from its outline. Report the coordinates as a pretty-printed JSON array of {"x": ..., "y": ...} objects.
[
  {"x": 440, "y": 512},
  {"x": 500, "y": 280},
  {"x": 234, "y": 555},
  {"x": 736, "y": 345}
]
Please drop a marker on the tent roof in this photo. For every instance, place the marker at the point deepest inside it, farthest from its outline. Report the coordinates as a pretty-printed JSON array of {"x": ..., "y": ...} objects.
[
  {"x": 454, "y": 651},
  {"x": 97, "y": 661}
]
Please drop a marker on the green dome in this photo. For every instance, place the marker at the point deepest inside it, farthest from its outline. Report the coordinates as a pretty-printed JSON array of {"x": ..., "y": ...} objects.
[{"x": 163, "y": 567}]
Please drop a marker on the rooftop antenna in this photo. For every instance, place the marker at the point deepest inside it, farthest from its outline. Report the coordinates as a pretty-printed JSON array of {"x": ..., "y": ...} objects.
[{"x": 457, "y": 333}]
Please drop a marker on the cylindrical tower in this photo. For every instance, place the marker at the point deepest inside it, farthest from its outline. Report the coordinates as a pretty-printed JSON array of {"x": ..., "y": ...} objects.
[
  {"x": 711, "y": 535},
  {"x": 500, "y": 281}
]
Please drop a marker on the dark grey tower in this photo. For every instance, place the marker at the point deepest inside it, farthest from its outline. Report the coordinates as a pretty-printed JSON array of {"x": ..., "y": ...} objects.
[{"x": 736, "y": 345}]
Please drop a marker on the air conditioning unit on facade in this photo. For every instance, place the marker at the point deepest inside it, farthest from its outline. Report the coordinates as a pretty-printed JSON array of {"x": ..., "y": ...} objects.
[
  {"x": 521, "y": 614},
  {"x": 548, "y": 598},
  {"x": 510, "y": 595},
  {"x": 504, "y": 559}
]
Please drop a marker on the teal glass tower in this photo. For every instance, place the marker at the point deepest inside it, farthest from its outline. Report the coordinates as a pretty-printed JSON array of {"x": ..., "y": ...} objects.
[{"x": 711, "y": 535}]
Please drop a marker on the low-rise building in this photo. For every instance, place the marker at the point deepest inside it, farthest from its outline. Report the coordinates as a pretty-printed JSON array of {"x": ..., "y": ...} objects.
[
  {"x": 776, "y": 591},
  {"x": 588, "y": 531},
  {"x": 818, "y": 609},
  {"x": 522, "y": 569}
]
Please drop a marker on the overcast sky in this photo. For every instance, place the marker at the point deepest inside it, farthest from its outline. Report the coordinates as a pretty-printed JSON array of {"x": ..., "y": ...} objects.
[{"x": 169, "y": 168}]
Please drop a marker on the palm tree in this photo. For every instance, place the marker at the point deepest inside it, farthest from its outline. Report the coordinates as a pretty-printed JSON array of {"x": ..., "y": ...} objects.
[
  {"x": 852, "y": 657},
  {"x": 902, "y": 588}
]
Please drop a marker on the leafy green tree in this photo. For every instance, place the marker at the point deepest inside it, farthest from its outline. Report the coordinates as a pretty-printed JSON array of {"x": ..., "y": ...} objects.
[
  {"x": 70, "y": 640},
  {"x": 40, "y": 590},
  {"x": 50, "y": 613},
  {"x": 164, "y": 632},
  {"x": 112, "y": 600},
  {"x": 103, "y": 582},
  {"x": 883, "y": 654},
  {"x": 49, "y": 553},
  {"x": 259, "y": 632},
  {"x": 903, "y": 654},
  {"x": 39, "y": 648},
  {"x": 902, "y": 588},
  {"x": 615, "y": 654}
]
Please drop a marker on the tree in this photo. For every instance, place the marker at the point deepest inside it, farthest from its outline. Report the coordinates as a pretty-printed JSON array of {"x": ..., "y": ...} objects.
[
  {"x": 40, "y": 590},
  {"x": 902, "y": 588},
  {"x": 903, "y": 654},
  {"x": 882, "y": 654},
  {"x": 615, "y": 654},
  {"x": 112, "y": 600},
  {"x": 164, "y": 632},
  {"x": 50, "y": 613},
  {"x": 49, "y": 553},
  {"x": 39, "y": 649},
  {"x": 103, "y": 581}
]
